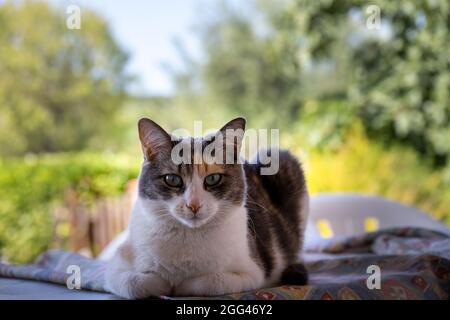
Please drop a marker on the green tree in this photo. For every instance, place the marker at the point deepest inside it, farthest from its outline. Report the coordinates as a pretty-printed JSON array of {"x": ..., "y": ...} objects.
[
  {"x": 266, "y": 59},
  {"x": 400, "y": 82},
  {"x": 58, "y": 87},
  {"x": 251, "y": 65}
]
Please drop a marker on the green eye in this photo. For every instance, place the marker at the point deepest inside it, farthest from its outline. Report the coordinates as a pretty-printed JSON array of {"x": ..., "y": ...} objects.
[
  {"x": 173, "y": 180},
  {"x": 213, "y": 179}
]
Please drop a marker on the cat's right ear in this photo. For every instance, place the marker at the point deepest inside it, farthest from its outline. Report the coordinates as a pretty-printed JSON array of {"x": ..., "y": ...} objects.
[{"x": 153, "y": 138}]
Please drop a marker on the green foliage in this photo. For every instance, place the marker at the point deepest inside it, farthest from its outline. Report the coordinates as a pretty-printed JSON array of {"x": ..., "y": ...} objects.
[
  {"x": 33, "y": 184},
  {"x": 58, "y": 87},
  {"x": 266, "y": 60},
  {"x": 400, "y": 83},
  {"x": 248, "y": 70},
  {"x": 324, "y": 124}
]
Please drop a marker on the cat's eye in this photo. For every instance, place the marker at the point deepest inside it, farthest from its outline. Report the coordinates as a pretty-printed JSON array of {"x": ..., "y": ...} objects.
[
  {"x": 213, "y": 179},
  {"x": 173, "y": 180}
]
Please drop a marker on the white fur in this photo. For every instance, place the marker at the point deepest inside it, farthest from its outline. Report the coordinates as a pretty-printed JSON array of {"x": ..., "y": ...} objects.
[
  {"x": 278, "y": 267},
  {"x": 162, "y": 256}
]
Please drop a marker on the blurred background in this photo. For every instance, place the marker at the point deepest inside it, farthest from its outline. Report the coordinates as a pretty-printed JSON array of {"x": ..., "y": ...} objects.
[{"x": 359, "y": 90}]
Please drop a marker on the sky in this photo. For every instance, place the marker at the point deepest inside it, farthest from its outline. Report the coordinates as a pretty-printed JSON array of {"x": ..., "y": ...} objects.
[{"x": 147, "y": 30}]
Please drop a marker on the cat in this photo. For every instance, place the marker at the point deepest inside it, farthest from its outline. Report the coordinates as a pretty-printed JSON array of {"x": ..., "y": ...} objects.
[{"x": 210, "y": 229}]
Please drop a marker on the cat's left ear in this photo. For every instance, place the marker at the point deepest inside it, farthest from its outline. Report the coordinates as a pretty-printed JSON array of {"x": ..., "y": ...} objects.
[
  {"x": 154, "y": 139},
  {"x": 233, "y": 133}
]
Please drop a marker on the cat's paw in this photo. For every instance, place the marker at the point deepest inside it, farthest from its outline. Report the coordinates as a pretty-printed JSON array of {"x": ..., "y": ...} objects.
[
  {"x": 295, "y": 274},
  {"x": 145, "y": 285},
  {"x": 192, "y": 287},
  {"x": 211, "y": 285}
]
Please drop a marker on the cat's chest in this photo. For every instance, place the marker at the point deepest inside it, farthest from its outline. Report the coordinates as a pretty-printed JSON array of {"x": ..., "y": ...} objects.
[
  {"x": 187, "y": 253},
  {"x": 193, "y": 256},
  {"x": 191, "y": 249}
]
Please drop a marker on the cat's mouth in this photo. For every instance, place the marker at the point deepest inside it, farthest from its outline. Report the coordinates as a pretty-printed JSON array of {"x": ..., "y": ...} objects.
[{"x": 195, "y": 221}]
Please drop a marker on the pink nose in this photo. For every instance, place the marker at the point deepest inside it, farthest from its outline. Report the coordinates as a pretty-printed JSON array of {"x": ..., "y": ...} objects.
[{"x": 194, "y": 207}]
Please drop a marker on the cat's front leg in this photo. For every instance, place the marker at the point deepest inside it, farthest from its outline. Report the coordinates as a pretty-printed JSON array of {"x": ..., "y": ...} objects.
[
  {"x": 144, "y": 285},
  {"x": 127, "y": 281},
  {"x": 137, "y": 285},
  {"x": 214, "y": 284}
]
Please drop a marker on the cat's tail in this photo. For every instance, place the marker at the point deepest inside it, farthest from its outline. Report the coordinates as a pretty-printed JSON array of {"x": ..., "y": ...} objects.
[{"x": 295, "y": 274}]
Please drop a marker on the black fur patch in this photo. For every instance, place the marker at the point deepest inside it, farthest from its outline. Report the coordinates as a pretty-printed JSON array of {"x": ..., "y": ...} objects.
[{"x": 295, "y": 274}]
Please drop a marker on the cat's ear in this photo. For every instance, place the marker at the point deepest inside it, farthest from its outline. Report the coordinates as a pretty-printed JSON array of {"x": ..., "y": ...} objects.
[
  {"x": 153, "y": 138},
  {"x": 235, "y": 124},
  {"x": 233, "y": 134}
]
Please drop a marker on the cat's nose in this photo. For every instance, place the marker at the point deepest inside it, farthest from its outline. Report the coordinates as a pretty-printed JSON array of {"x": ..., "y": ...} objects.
[{"x": 194, "y": 207}]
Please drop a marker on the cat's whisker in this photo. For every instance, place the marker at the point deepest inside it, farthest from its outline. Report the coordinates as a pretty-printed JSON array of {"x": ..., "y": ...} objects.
[
  {"x": 258, "y": 204},
  {"x": 252, "y": 226}
]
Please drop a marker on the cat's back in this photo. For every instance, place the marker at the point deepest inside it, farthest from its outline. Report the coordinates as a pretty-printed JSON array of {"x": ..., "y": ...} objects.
[{"x": 277, "y": 206}]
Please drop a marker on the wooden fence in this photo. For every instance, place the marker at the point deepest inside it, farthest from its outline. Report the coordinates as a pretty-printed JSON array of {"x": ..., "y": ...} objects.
[{"x": 87, "y": 229}]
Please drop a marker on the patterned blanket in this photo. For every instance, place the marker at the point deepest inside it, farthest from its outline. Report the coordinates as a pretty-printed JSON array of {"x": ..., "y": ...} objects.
[{"x": 412, "y": 264}]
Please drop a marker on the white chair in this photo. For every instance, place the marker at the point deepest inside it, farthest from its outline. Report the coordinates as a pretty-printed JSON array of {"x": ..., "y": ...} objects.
[{"x": 345, "y": 214}]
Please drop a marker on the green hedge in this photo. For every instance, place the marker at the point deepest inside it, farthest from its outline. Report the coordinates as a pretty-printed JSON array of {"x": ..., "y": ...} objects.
[{"x": 30, "y": 186}]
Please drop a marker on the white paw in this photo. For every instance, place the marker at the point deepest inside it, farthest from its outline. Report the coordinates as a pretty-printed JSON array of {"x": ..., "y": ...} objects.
[
  {"x": 144, "y": 285},
  {"x": 209, "y": 285},
  {"x": 192, "y": 287}
]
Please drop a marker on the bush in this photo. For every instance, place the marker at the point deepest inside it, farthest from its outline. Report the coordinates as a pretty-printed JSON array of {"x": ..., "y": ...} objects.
[
  {"x": 362, "y": 165},
  {"x": 399, "y": 84},
  {"x": 324, "y": 123},
  {"x": 30, "y": 186},
  {"x": 59, "y": 88}
]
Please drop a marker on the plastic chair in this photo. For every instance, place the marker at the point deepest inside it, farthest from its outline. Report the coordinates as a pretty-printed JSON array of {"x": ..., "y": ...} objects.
[{"x": 346, "y": 214}]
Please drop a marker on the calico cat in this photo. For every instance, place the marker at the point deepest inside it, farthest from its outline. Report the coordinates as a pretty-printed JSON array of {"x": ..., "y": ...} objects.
[{"x": 210, "y": 228}]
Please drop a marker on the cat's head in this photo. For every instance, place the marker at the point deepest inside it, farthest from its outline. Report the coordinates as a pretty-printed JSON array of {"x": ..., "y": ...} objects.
[{"x": 193, "y": 180}]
